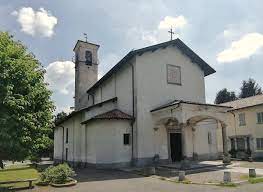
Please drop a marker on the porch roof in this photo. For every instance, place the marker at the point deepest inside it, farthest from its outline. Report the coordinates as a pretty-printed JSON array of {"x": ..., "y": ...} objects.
[
  {"x": 177, "y": 102},
  {"x": 113, "y": 114}
]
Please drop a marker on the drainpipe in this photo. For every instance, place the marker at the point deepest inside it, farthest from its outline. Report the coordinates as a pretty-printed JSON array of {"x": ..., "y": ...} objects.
[{"x": 133, "y": 112}]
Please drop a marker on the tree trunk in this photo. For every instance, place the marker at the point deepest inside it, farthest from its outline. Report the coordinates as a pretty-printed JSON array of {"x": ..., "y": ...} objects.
[{"x": 1, "y": 164}]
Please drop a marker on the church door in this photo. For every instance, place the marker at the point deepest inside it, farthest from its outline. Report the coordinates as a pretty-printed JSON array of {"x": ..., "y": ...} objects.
[{"x": 176, "y": 146}]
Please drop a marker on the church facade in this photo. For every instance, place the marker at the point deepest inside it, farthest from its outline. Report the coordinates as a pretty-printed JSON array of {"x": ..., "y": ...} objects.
[{"x": 149, "y": 108}]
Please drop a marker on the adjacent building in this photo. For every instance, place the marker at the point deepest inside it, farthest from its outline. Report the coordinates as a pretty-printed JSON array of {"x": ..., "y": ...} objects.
[{"x": 245, "y": 130}]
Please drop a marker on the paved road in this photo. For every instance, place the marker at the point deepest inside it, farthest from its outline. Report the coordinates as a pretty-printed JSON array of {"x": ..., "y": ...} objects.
[{"x": 116, "y": 181}]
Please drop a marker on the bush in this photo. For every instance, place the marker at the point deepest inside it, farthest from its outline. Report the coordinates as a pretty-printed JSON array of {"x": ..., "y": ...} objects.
[{"x": 57, "y": 174}]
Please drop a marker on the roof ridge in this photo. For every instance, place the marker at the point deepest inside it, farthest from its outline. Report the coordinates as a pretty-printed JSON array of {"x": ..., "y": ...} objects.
[
  {"x": 242, "y": 99},
  {"x": 187, "y": 51}
]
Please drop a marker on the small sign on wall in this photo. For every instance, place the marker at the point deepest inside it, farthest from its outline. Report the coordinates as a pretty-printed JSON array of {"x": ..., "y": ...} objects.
[{"x": 173, "y": 74}]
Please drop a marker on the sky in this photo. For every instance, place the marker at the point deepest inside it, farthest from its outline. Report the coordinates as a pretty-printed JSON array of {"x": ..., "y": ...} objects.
[{"x": 228, "y": 35}]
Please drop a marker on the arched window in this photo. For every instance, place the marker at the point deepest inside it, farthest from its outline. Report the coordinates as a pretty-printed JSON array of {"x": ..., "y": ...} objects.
[
  {"x": 76, "y": 58},
  {"x": 88, "y": 57}
]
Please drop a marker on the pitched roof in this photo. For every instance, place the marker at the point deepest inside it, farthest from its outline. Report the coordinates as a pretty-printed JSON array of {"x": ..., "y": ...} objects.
[
  {"x": 80, "y": 41},
  {"x": 246, "y": 102},
  {"x": 177, "y": 42},
  {"x": 176, "y": 102},
  {"x": 114, "y": 99},
  {"x": 113, "y": 114}
]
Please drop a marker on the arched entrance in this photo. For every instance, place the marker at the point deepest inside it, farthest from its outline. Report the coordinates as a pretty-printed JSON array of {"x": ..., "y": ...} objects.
[
  {"x": 193, "y": 121},
  {"x": 180, "y": 121},
  {"x": 174, "y": 138}
]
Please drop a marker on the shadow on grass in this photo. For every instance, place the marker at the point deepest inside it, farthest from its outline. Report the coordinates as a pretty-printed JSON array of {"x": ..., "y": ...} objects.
[
  {"x": 16, "y": 169},
  {"x": 11, "y": 188}
]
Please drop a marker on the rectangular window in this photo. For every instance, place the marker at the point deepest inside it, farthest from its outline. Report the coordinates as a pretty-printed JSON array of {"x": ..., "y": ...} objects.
[
  {"x": 67, "y": 135},
  {"x": 66, "y": 154},
  {"x": 259, "y": 143},
  {"x": 174, "y": 74},
  {"x": 126, "y": 139},
  {"x": 242, "y": 119},
  {"x": 260, "y": 117}
]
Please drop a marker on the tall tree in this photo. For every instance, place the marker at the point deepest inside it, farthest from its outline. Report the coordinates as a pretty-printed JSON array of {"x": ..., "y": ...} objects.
[
  {"x": 225, "y": 96},
  {"x": 60, "y": 116},
  {"x": 249, "y": 88},
  {"x": 25, "y": 104}
]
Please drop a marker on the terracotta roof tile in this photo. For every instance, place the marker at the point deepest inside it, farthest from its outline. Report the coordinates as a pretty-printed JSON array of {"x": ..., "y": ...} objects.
[
  {"x": 246, "y": 102},
  {"x": 113, "y": 114}
]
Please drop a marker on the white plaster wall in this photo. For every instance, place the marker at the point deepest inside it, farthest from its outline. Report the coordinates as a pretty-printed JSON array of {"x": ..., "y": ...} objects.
[
  {"x": 202, "y": 147},
  {"x": 97, "y": 95},
  {"x": 153, "y": 89},
  {"x": 189, "y": 139},
  {"x": 108, "y": 89},
  {"x": 105, "y": 142},
  {"x": 58, "y": 142},
  {"x": 118, "y": 85},
  {"x": 91, "y": 143},
  {"x": 124, "y": 89},
  {"x": 75, "y": 139},
  {"x": 160, "y": 142}
]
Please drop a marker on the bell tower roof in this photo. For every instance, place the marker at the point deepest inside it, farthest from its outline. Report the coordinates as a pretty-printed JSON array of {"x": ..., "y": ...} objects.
[{"x": 79, "y": 42}]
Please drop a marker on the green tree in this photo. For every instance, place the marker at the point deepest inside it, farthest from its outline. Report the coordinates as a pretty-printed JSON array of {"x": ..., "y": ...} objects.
[
  {"x": 25, "y": 105},
  {"x": 249, "y": 88},
  {"x": 225, "y": 96},
  {"x": 60, "y": 116}
]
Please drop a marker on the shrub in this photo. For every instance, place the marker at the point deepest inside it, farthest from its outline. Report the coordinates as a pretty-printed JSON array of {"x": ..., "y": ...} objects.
[
  {"x": 57, "y": 174},
  {"x": 255, "y": 180}
]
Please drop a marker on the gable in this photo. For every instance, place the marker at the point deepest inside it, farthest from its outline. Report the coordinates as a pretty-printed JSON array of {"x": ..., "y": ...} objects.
[{"x": 177, "y": 42}]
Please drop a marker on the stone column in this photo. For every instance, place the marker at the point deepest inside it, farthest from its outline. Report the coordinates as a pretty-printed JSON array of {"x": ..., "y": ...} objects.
[
  {"x": 183, "y": 127},
  {"x": 235, "y": 139},
  {"x": 226, "y": 156},
  {"x": 245, "y": 139},
  {"x": 193, "y": 142}
]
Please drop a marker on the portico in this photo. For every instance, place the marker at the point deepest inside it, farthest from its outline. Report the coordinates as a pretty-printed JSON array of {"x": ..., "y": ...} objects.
[{"x": 184, "y": 122}]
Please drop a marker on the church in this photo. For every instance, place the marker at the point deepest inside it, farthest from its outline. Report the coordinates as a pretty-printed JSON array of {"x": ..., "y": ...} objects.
[{"x": 149, "y": 108}]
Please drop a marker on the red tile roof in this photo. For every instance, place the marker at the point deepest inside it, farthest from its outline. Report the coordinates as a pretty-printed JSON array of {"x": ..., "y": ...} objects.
[{"x": 113, "y": 114}]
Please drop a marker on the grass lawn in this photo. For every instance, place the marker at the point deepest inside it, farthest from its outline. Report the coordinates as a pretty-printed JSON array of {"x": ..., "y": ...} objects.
[
  {"x": 17, "y": 172},
  {"x": 255, "y": 180}
]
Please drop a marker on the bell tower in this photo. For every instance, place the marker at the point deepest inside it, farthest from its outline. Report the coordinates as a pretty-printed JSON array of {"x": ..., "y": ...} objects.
[{"x": 86, "y": 71}]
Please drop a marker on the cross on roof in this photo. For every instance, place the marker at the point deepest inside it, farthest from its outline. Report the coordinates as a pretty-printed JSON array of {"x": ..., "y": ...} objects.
[
  {"x": 172, "y": 33},
  {"x": 85, "y": 36}
]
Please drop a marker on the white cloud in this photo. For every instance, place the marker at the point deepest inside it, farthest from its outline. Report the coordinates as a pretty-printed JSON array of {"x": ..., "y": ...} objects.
[
  {"x": 150, "y": 37},
  {"x": 158, "y": 34},
  {"x": 60, "y": 75},
  {"x": 243, "y": 48},
  {"x": 227, "y": 33},
  {"x": 66, "y": 109},
  {"x": 174, "y": 22},
  {"x": 39, "y": 22}
]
